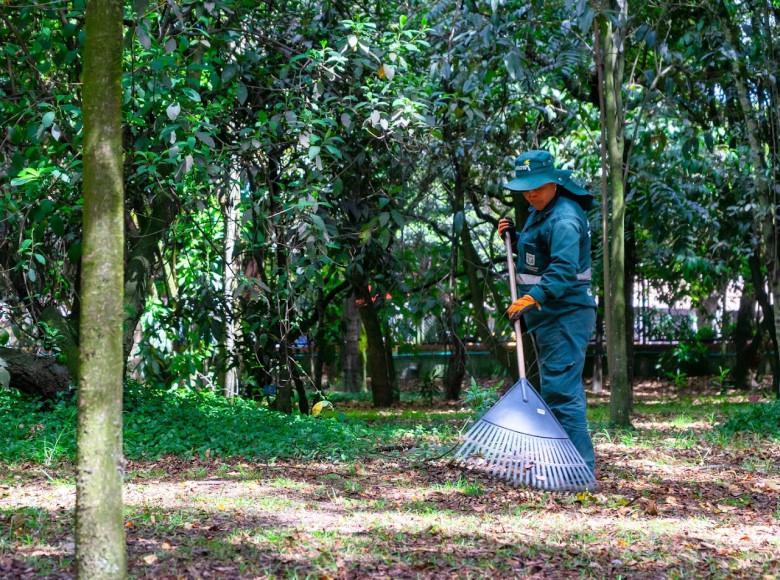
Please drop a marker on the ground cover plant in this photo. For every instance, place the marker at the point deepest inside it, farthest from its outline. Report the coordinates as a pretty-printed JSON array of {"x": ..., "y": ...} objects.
[{"x": 687, "y": 493}]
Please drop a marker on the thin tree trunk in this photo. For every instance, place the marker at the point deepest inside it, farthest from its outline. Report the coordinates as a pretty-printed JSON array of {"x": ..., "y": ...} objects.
[
  {"x": 143, "y": 248},
  {"x": 629, "y": 276},
  {"x": 745, "y": 341},
  {"x": 614, "y": 60},
  {"x": 231, "y": 265},
  {"x": 766, "y": 211},
  {"x": 456, "y": 364},
  {"x": 100, "y": 538},
  {"x": 598, "y": 353},
  {"x": 762, "y": 297},
  {"x": 475, "y": 275}
]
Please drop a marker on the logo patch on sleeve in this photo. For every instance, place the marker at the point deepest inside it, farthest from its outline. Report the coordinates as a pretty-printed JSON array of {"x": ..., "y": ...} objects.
[{"x": 530, "y": 259}]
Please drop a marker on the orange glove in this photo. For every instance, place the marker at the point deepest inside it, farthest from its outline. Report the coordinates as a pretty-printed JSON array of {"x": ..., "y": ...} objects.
[
  {"x": 521, "y": 305},
  {"x": 506, "y": 224}
]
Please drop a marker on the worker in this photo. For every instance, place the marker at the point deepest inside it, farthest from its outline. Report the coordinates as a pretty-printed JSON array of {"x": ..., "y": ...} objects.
[{"x": 553, "y": 274}]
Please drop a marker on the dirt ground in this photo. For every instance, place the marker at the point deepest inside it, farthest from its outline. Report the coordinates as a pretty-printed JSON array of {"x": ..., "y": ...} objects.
[{"x": 674, "y": 501}]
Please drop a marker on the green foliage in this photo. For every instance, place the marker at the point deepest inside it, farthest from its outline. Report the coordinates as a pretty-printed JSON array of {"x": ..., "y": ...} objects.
[
  {"x": 429, "y": 384},
  {"x": 760, "y": 418},
  {"x": 689, "y": 356},
  {"x": 180, "y": 422},
  {"x": 480, "y": 398}
]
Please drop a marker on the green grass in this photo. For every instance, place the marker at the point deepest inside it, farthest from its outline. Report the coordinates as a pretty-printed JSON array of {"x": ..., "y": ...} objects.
[
  {"x": 199, "y": 423},
  {"x": 761, "y": 418},
  {"x": 203, "y": 424},
  {"x": 461, "y": 485}
]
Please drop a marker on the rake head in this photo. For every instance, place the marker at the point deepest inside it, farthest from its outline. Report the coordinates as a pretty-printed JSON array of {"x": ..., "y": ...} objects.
[{"x": 520, "y": 441}]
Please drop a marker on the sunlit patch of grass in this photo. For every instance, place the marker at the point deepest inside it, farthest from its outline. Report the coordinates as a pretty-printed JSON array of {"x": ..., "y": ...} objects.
[
  {"x": 273, "y": 537},
  {"x": 460, "y": 485},
  {"x": 287, "y": 483}
]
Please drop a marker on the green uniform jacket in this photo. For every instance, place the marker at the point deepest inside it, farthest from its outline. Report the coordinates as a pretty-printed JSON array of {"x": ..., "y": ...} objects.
[{"x": 553, "y": 261}]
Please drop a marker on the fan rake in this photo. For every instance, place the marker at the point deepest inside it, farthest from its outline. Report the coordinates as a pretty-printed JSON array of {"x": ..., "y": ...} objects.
[{"x": 519, "y": 440}]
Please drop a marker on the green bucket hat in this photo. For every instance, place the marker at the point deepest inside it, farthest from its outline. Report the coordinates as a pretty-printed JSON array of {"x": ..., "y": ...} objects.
[{"x": 535, "y": 168}]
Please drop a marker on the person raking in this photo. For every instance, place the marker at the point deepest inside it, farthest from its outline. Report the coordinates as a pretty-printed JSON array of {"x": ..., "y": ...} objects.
[{"x": 553, "y": 275}]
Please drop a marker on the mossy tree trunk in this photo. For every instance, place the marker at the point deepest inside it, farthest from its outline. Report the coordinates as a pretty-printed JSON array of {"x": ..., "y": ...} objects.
[
  {"x": 100, "y": 538},
  {"x": 611, "y": 66}
]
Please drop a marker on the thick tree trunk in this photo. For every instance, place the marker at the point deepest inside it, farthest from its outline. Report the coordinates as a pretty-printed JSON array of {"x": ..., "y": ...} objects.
[
  {"x": 378, "y": 371},
  {"x": 35, "y": 375},
  {"x": 100, "y": 538},
  {"x": 352, "y": 362}
]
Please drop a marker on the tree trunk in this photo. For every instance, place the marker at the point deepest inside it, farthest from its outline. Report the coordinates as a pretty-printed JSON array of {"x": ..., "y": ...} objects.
[
  {"x": 456, "y": 363},
  {"x": 378, "y": 371},
  {"x": 598, "y": 353},
  {"x": 100, "y": 538},
  {"x": 767, "y": 321},
  {"x": 352, "y": 362},
  {"x": 231, "y": 267},
  {"x": 614, "y": 253},
  {"x": 35, "y": 375},
  {"x": 744, "y": 340},
  {"x": 628, "y": 293},
  {"x": 67, "y": 337},
  {"x": 766, "y": 211}
]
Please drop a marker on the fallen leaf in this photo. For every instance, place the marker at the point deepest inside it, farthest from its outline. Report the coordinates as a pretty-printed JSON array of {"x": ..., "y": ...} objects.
[
  {"x": 166, "y": 546},
  {"x": 150, "y": 559}
]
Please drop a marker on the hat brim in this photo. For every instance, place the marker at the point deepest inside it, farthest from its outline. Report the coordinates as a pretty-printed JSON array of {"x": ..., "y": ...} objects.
[{"x": 539, "y": 178}]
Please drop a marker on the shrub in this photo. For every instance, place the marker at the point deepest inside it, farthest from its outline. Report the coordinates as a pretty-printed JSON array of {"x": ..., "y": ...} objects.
[{"x": 761, "y": 418}]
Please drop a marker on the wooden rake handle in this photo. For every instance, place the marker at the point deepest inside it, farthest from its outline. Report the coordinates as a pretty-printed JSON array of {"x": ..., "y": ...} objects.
[{"x": 513, "y": 291}]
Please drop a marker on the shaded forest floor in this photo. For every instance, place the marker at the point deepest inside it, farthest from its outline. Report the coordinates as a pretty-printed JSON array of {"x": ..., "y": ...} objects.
[{"x": 676, "y": 498}]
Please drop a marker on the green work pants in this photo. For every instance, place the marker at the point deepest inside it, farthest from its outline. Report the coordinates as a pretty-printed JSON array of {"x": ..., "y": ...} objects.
[{"x": 561, "y": 344}]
